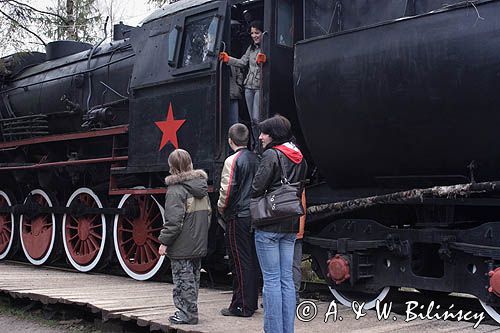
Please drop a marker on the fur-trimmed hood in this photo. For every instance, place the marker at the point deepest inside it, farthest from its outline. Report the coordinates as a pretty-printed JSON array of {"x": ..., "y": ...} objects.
[{"x": 195, "y": 181}]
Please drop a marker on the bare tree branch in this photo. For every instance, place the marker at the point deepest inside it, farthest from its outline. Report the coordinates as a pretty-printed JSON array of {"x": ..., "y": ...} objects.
[
  {"x": 22, "y": 27},
  {"x": 35, "y": 9}
]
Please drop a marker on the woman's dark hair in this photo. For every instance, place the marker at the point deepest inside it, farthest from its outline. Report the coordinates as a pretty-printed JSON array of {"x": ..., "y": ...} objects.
[
  {"x": 257, "y": 25},
  {"x": 278, "y": 128}
]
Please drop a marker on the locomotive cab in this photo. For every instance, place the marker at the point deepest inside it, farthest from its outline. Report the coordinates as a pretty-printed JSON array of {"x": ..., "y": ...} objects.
[
  {"x": 179, "y": 84},
  {"x": 282, "y": 22}
]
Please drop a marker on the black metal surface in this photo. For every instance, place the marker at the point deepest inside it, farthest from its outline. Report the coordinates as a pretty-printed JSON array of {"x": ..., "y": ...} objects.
[
  {"x": 181, "y": 95},
  {"x": 63, "y": 48},
  {"x": 412, "y": 97},
  {"x": 45, "y": 88},
  {"x": 431, "y": 258}
]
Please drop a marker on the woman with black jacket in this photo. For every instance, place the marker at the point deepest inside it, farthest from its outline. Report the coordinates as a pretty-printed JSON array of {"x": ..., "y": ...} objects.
[{"x": 275, "y": 242}]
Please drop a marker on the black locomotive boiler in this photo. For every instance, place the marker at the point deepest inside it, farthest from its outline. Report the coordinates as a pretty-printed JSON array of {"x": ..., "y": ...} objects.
[{"x": 394, "y": 104}]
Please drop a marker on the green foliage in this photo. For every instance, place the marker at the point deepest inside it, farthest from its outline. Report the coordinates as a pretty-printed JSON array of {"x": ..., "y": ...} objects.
[
  {"x": 24, "y": 27},
  {"x": 78, "y": 20}
]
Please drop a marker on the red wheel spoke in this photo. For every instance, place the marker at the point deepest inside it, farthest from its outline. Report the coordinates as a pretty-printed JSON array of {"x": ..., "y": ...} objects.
[
  {"x": 149, "y": 208},
  {"x": 129, "y": 253},
  {"x": 93, "y": 233},
  {"x": 90, "y": 246},
  {"x": 48, "y": 225},
  {"x": 137, "y": 235},
  {"x": 130, "y": 222},
  {"x": 127, "y": 241},
  {"x": 6, "y": 228},
  {"x": 77, "y": 244},
  {"x": 73, "y": 237},
  {"x": 93, "y": 218},
  {"x": 81, "y": 248},
  {"x": 153, "y": 250},
  {"x": 95, "y": 226},
  {"x": 151, "y": 221},
  {"x": 142, "y": 206},
  {"x": 93, "y": 242},
  {"x": 136, "y": 255},
  {"x": 154, "y": 239},
  {"x": 85, "y": 199},
  {"x": 147, "y": 252},
  {"x": 72, "y": 227}
]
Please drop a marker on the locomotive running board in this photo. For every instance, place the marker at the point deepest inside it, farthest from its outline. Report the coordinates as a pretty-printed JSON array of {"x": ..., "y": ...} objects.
[{"x": 65, "y": 137}]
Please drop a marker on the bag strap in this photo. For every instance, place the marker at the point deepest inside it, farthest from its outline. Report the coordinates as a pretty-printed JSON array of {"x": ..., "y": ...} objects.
[{"x": 284, "y": 179}]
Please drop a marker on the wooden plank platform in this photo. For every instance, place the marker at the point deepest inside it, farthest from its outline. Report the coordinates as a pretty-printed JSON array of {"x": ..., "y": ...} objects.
[{"x": 150, "y": 304}]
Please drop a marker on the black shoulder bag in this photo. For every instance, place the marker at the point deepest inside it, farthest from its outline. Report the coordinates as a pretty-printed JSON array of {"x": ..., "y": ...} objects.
[{"x": 281, "y": 203}]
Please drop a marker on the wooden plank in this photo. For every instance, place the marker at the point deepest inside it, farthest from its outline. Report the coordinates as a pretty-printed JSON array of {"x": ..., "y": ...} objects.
[{"x": 150, "y": 304}]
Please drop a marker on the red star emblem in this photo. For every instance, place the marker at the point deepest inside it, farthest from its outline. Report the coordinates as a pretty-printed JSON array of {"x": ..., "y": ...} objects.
[{"x": 169, "y": 128}]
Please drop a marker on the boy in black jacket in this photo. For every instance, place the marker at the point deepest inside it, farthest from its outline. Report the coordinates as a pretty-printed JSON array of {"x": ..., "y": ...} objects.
[{"x": 234, "y": 205}]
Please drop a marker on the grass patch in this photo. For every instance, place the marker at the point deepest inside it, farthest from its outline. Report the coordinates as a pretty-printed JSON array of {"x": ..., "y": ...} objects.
[{"x": 34, "y": 312}]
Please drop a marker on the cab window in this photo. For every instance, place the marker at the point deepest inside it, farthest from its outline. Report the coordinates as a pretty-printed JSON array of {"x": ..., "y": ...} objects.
[
  {"x": 285, "y": 26},
  {"x": 199, "y": 42}
]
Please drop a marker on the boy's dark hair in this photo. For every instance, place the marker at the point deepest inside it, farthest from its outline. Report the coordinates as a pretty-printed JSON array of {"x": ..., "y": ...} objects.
[
  {"x": 278, "y": 128},
  {"x": 238, "y": 133}
]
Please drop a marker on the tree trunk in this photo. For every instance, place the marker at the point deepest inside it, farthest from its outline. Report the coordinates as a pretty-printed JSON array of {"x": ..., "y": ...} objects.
[{"x": 70, "y": 14}]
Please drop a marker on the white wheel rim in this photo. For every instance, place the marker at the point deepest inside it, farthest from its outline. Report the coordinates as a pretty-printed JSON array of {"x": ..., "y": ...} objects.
[
  {"x": 7, "y": 249},
  {"x": 91, "y": 266},
  {"x": 53, "y": 238},
  {"x": 491, "y": 311},
  {"x": 132, "y": 274},
  {"x": 368, "y": 304}
]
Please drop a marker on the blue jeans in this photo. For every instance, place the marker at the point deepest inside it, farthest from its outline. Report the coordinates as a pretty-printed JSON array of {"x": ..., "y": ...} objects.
[
  {"x": 275, "y": 253},
  {"x": 233, "y": 116},
  {"x": 252, "y": 97},
  {"x": 297, "y": 268}
]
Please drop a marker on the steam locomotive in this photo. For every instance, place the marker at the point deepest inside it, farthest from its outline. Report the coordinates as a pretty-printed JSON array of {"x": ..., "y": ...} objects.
[{"x": 393, "y": 104}]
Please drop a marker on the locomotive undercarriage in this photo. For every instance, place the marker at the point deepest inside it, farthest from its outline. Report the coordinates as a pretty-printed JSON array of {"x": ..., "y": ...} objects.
[
  {"x": 72, "y": 203},
  {"x": 446, "y": 245}
]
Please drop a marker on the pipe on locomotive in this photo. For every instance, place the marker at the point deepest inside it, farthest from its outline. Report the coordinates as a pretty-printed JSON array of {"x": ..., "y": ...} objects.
[{"x": 94, "y": 48}]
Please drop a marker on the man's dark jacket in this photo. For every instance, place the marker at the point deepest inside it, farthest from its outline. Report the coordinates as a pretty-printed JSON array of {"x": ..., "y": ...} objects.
[{"x": 236, "y": 183}]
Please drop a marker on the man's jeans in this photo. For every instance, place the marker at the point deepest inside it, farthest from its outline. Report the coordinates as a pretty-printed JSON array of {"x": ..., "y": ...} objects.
[{"x": 275, "y": 253}]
